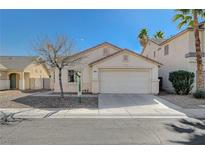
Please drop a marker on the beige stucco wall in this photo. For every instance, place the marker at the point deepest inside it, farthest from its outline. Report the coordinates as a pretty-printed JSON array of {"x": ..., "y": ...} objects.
[
  {"x": 134, "y": 62},
  {"x": 36, "y": 76},
  {"x": 3, "y": 75},
  {"x": 29, "y": 78},
  {"x": 149, "y": 50},
  {"x": 36, "y": 71},
  {"x": 176, "y": 60},
  {"x": 4, "y": 82},
  {"x": 87, "y": 58}
]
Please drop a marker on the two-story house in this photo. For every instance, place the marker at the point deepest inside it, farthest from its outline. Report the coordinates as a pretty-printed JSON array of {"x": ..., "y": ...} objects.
[{"x": 175, "y": 53}]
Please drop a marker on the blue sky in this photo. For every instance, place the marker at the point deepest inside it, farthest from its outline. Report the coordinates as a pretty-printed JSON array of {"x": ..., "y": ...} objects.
[{"x": 18, "y": 28}]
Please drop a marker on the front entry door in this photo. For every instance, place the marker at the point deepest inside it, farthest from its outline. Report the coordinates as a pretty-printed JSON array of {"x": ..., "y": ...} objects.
[{"x": 13, "y": 81}]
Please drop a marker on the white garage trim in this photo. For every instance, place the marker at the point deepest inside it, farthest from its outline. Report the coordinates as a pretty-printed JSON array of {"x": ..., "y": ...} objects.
[{"x": 125, "y": 80}]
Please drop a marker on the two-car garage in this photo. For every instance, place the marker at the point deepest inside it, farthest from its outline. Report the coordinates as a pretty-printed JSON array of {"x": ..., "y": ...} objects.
[
  {"x": 125, "y": 81},
  {"x": 125, "y": 72}
]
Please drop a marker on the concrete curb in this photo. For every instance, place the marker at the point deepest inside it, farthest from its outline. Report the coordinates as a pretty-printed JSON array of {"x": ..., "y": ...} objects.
[{"x": 66, "y": 113}]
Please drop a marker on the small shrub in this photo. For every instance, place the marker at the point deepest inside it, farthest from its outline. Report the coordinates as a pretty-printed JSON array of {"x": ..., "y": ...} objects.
[
  {"x": 199, "y": 94},
  {"x": 182, "y": 81}
]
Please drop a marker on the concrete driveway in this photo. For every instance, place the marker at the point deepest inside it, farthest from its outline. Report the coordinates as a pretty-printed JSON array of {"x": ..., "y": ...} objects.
[{"x": 136, "y": 105}]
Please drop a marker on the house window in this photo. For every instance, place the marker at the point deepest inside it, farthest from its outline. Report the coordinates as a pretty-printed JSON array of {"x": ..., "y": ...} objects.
[
  {"x": 71, "y": 76},
  {"x": 166, "y": 50},
  {"x": 105, "y": 52},
  {"x": 125, "y": 58},
  {"x": 154, "y": 54}
]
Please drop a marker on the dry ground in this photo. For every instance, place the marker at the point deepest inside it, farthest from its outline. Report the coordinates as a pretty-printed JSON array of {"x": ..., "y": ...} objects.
[
  {"x": 184, "y": 101},
  {"x": 18, "y": 99}
]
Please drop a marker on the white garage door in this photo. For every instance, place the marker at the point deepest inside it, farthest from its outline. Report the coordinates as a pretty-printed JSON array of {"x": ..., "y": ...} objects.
[{"x": 125, "y": 81}]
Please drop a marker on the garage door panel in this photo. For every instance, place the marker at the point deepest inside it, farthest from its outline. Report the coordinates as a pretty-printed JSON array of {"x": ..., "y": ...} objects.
[{"x": 121, "y": 81}]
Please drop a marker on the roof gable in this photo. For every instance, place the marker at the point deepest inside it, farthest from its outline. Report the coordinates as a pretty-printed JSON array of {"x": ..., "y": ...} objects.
[
  {"x": 34, "y": 64},
  {"x": 149, "y": 41},
  {"x": 157, "y": 41},
  {"x": 95, "y": 47},
  {"x": 123, "y": 51},
  {"x": 2, "y": 67}
]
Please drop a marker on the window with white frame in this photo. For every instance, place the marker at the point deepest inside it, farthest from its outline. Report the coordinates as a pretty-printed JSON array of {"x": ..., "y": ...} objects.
[
  {"x": 71, "y": 76},
  {"x": 166, "y": 50}
]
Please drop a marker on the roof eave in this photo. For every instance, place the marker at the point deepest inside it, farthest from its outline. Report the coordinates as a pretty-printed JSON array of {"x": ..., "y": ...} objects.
[{"x": 99, "y": 60}]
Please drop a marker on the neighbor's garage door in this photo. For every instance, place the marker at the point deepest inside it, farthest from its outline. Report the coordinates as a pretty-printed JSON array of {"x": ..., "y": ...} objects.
[{"x": 125, "y": 81}]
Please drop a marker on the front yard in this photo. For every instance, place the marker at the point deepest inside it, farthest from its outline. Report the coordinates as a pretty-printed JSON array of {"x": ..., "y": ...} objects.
[
  {"x": 184, "y": 101},
  {"x": 18, "y": 99}
]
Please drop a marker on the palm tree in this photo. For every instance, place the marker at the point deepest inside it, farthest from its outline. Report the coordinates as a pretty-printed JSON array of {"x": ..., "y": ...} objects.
[
  {"x": 159, "y": 35},
  {"x": 143, "y": 37},
  {"x": 190, "y": 17}
]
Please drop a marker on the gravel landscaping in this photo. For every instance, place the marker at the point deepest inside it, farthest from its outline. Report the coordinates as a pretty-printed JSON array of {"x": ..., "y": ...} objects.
[
  {"x": 18, "y": 99},
  {"x": 184, "y": 101},
  {"x": 7, "y": 97}
]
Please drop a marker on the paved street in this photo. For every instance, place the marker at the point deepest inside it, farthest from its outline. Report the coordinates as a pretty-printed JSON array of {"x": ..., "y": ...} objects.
[{"x": 104, "y": 131}]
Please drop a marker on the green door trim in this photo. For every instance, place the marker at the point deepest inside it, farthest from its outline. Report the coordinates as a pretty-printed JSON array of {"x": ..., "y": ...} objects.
[{"x": 12, "y": 78}]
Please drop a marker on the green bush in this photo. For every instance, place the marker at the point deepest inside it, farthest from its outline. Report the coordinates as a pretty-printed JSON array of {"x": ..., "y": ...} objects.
[
  {"x": 182, "y": 81},
  {"x": 199, "y": 94}
]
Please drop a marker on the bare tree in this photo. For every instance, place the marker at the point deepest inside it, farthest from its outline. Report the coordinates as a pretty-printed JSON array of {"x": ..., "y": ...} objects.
[{"x": 56, "y": 54}]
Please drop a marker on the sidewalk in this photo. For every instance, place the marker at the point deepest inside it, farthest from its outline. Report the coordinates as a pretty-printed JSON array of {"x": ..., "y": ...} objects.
[
  {"x": 87, "y": 113},
  {"x": 108, "y": 113},
  {"x": 192, "y": 113}
]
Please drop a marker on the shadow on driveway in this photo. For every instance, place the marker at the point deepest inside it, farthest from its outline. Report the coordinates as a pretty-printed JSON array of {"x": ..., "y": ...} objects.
[{"x": 195, "y": 129}]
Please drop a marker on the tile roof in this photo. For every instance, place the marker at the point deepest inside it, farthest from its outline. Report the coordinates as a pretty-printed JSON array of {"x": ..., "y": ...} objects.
[{"x": 16, "y": 62}]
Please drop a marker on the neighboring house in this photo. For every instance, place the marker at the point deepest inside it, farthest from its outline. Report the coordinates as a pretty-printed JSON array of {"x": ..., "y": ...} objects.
[
  {"x": 107, "y": 68},
  {"x": 22, "y": 72},
  {"x": 175, "y": 53}
]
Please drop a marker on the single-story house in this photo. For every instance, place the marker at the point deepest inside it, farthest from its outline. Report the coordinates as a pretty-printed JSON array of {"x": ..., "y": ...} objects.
[
  {"x": 22, "y": 72},
  {"x": 107, "y": 68}
]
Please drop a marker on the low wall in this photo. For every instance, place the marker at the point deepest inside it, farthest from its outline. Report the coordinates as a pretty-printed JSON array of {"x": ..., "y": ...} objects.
[
  {"x": 33, "y": 84},
  {"x": 4, "y": 84},
  {"x": 46, "y": 83},
  {"x": 39, "y": 83}
]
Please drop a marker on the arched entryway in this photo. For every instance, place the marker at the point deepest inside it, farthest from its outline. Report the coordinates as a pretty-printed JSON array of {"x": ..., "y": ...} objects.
[{"x": 14, "y": 81}]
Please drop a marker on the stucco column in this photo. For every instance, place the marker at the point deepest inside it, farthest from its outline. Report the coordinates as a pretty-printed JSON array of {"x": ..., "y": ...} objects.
[
  {"x": 95, "y": 80},
  {"x": 23, "y": 81}
]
